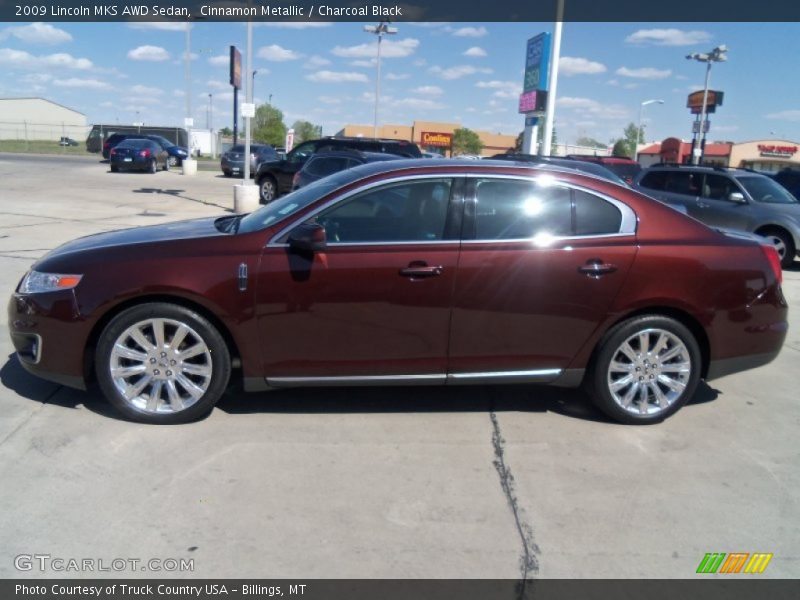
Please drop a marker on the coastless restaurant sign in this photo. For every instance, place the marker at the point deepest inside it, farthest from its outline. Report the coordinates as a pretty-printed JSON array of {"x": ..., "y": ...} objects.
[
  {"x": 777, "y": 151},
  {"x": 438, "y": 140}
]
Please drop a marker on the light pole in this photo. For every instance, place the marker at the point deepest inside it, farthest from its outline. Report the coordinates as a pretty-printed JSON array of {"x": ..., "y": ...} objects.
[
  {"x": 380, "y": 30},
  {"x": 718, "y": 54},
  {"x": 639, "y": 130},
  {"x": 549, "y": 118}
]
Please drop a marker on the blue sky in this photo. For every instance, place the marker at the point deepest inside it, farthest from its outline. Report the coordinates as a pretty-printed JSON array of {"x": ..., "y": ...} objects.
[{"x": 465, "y": 72}]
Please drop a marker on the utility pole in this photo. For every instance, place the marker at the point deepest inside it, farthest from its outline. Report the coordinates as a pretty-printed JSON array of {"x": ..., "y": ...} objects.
[
  {"x": 381, "y": 29},
  {"x": 718, "y": 54},
  {"x": 546, "y": 148}
]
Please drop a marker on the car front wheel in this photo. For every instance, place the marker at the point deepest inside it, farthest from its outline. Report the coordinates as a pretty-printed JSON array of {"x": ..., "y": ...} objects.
[
  {"x": 645, "y": 370},
  {"x": 268, "y": 190},
  {"x": 172, "y": 161},
  {"x": 162, "y": 363}
]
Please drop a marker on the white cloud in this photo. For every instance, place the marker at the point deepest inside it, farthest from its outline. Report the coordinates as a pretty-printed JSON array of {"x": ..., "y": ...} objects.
[
  {"x": 397, "y": 76},
  {"x": 75, "y": 82},
  {"x": 389, "y": 49},
  {"x": 592, "y": 108},
  {"x": 416, "y": 103},
  {"x": 330, "y": 100},
  {"x": 336, "y": 77},
  {"x": 149, "y": 53},
  {"x": 276, "y": 53},
  {"x": 458, "y": 71},
  {"x": 217, "y": 85},
  {"x": 644, "y": 73},
  {"x": 512, "y": 86},
  {"x": 37, "y": 33},
  {"x": 145, "y": 90},
  {"x": 219, "y": 60},
  {"x": 25, "y": 60},
  {"x": 572, "y": 65},
  {"x": 37, "y": 78},
  {"x": 785, "y": 115},
  {"x": 158, "y": 25},
  {"x": 668, "y": 37},
  {"x": 475, "y": 52},
  {"x": 363, "y": 63},
  {"x": 474, "y": 32},
  {"x": 428, "y": 90},
  {"x": 315, "y": 62}
]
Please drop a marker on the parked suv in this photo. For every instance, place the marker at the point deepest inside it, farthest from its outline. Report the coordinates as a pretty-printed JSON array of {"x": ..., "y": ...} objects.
[
  {"x": 275, "y": 178},
  {"x": 624, "y": 167},
  {"x": 323, "y": 164},
  {"x": 739, "y": 199}
]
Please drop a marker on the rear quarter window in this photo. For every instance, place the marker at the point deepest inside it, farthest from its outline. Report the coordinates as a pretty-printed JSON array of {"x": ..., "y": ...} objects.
[
  {"x": 595, "y": 216},
  {"x": 654, "y": 180}
]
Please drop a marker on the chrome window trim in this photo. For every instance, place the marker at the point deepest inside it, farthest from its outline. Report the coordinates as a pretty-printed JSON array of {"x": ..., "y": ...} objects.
[{"x": 627, "y": 225}]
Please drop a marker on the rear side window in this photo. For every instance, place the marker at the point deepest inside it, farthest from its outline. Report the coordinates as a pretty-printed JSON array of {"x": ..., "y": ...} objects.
[
  {"x": 515, "y": 209},
  {"x": 683, "y": 182},
  {"x": 718, "y": 187},
  {"x": 321, "y": 167},
  {"x": 595, "y": 216},
  {"x": 654, "y": 180}
]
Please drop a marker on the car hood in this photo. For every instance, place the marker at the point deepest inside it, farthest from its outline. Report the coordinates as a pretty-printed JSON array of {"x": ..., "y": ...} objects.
[{"x": 179, "y": 230}]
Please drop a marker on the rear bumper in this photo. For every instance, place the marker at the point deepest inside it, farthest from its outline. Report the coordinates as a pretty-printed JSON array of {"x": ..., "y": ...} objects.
[{"x": 727, "y": 366}]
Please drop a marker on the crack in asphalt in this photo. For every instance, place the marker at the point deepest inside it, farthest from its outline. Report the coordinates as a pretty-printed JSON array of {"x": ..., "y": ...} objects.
[
  {"x": 32, "y": 414},
  {"x": 528, "y": 561}
]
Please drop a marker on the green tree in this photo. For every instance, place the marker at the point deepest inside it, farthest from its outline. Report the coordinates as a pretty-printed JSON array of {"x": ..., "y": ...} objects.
[
  {"x": 268, "y": 126},
  {"x": 466, "y": 141},
  {"x": 621, "y": 149},
  {"x": 303, "y": 130},
  {"x": 589, "y": 142},
  {"x": 519, "y": 140},
  {"x": 626, "y": 146},
  {"x": 226, "y": 131}
]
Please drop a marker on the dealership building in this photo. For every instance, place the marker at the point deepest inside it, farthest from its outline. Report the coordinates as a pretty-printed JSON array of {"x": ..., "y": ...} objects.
[
  {"x": 432, "y": 136},
  {"x": 768, "y": 156},
  {"x": 40, "y": 119}
]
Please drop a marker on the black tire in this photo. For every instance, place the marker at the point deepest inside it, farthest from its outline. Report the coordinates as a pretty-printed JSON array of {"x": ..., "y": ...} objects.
[
  {"x": 152, "y": 167},
  {"x": 172, "y": 161},
  {"x": 597, "y": 382},
  {"x": 786, "y": 240},
  {"x": 201, "y": 328},
  {"x": 227, "y": 173},
  {"x": 114, "y": 169},
  {"x": 166, "y": 164},
  {"x": 267, "y": 189}
]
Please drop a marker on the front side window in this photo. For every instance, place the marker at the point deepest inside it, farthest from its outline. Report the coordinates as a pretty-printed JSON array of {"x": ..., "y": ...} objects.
[
  {"x": 301, "y": 153},
  {"x": 683, "y": 182},
  {"x": 410, "y": 211},
  {"x": 508, "y": 209},
  {"x": 654, "y": 180},
  {"x": 764, "y": 189},
  {"x": 718, "y": 187}
]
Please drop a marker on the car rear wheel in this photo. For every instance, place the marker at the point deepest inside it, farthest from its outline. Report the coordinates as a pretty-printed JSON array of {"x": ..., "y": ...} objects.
[
  {"x": 167, "y": 163},
  {"x": 162, "y": 363},
  {"x": 268, "y": 190},
  {"x": 645, "y": 370},
  {"x": 153, "y": 166},
  {"x": 783, "y": 243}
]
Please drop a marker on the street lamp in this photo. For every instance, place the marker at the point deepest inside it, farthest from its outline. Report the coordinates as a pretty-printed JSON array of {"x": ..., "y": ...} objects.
[
  {"x": 718, "y": 54},
  {"x": 641, "y": 109},
  {"x": 380, "y": 30}
]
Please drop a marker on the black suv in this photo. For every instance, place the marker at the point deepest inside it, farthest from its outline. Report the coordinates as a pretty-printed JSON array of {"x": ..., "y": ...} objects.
[{"x": 275, "y": 178}]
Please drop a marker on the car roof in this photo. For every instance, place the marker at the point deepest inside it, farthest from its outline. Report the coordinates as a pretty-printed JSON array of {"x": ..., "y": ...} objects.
[{"x": 732, "y": 171}]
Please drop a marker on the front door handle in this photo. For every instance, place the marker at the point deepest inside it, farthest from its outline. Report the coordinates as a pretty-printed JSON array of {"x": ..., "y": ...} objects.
[
  {"x": 420, "y": 268},
  {"x": 596, "y": 268}
]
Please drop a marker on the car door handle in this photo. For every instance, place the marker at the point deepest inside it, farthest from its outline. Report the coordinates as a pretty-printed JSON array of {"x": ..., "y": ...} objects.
[
  {"x": 596, "y": 268},
  {"x": 421, "y": 269},
  {"x": 702, "y": 204}
]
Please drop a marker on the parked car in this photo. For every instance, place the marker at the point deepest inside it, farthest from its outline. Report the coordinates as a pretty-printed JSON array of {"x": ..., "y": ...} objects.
[
  {"x": 275, "y": 178},
  {"x": 175, "y": 154},
  {"x": 408, "y": 272},
  {"x": 113, "y": 140},
  {"x": 67, "y": 141},
  {"x": 232, "y": 161},
  {"x": 323, "y": 164},
  {"x": 568, "y": 163},
  {"x": 625, "y": 168},
  {"x": 738, "y": 199},
  {"x": 790, "y": 179},
  {"x": 138, "y": 154}
]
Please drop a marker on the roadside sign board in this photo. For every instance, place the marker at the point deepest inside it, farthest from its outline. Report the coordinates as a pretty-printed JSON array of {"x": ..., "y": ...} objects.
[
  {"x": 535, "y": 101},
  {"x": 236, "y": 68},
  {"x": 696, "y": 126},
  {"x": 537, "y": 63},
  {"x": 248, "y": 110},
  {"x": 436, "y": 139},
  {"x": 695, "y": 101}
]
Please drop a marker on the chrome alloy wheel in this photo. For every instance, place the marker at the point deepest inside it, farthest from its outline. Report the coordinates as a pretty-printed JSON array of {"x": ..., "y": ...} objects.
[
  {"x": 778, "y": 243},
  {"x": 160, "y": 366},
  {"x": 649, "y": 372}
]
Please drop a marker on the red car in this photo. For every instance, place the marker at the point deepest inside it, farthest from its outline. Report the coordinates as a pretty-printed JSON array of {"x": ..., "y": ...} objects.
[{"x": 408, "y": 272}]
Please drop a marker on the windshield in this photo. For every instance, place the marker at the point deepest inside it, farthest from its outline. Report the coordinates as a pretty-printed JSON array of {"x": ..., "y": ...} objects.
[
  {"x": 291, "y": 203},
  {"x": 764, "y": 189}
]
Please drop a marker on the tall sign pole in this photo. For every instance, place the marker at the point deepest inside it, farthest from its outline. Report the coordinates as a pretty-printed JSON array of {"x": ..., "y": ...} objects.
[
  {"x": 249, "y": 94},
  {"x": 547, "y": 140},
  {"x": 533, "y": 99},
  {"x": 236, "y": 82}
]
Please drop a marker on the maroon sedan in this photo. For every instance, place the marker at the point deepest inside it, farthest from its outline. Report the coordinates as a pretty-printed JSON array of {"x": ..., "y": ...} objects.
[{"x": 412, "y": 273}]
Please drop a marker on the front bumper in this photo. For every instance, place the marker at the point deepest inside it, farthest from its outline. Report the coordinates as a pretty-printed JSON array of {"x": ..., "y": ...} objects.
[{"x": 49, "y": 336}]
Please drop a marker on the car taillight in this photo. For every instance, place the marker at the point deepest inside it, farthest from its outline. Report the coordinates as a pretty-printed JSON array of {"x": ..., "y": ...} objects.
[
  {"x": 774, "y": 260},
  {"x": 106, "y": 145},
  {"x": 144, "y": 153}
]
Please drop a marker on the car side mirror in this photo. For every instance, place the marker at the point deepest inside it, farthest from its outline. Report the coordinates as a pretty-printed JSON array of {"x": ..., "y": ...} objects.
[
  {"x": 737, "y": 197},
  {"x": 308, "y": 237}
]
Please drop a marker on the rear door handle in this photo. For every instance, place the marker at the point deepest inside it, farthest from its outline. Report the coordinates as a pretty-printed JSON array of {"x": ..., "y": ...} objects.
[
  {"x": 596, "y": 267},
  {"x": 420, "y": 268}
]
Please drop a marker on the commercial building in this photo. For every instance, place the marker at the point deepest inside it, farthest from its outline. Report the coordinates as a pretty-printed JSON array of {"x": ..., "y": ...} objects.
[
  {"x": 432, "y": 136},
  {"x": 769, "y": 156},
  {"x": 40, "y": 119}
]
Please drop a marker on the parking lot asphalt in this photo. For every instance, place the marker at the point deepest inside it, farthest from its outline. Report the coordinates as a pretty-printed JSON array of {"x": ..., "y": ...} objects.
[{"x": 472, "y": 482}]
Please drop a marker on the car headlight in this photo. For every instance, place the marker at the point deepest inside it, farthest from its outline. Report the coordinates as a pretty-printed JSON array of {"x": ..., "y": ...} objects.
[{"x": 35, "y": 282}]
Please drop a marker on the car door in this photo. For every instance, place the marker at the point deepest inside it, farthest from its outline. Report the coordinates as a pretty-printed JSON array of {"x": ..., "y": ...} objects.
[
  {"x": 540, "y": 266},
  {"x": 715, "y": 207},
  {"x": 376, "y": 302}
]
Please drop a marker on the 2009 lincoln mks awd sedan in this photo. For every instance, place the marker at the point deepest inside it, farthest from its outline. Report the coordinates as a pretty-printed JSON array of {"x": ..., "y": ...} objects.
[{"x": 408, "y": 272}]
